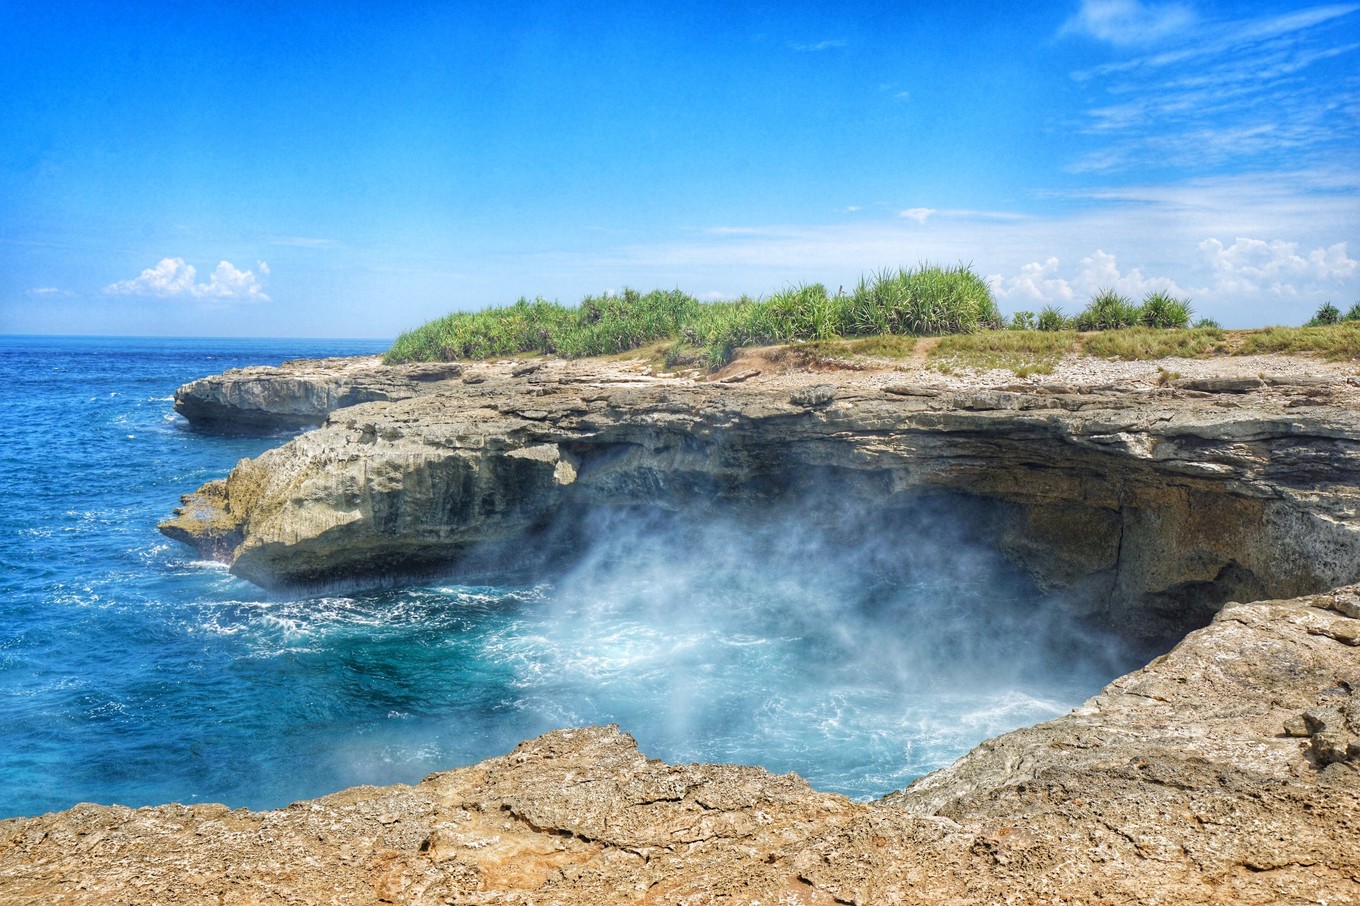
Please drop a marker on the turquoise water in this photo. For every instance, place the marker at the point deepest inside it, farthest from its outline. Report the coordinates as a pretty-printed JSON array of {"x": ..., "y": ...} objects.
[{"x": 859, "y": 651}]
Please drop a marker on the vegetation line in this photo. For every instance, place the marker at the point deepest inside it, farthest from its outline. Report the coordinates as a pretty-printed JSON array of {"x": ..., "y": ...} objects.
[{"x": 949, "y": 302}]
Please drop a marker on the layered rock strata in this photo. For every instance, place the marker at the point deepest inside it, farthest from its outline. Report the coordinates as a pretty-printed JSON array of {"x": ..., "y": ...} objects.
[
  {"x": 300, "y": 393},
  {"x": 1223, "y": 772},
  {"x": 1147, "y": 505}
]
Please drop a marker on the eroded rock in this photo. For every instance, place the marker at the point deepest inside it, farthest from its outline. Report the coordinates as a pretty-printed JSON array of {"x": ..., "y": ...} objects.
[
  {"x": 302, "y": 392},
  {"x": 1147, "y": 509}
]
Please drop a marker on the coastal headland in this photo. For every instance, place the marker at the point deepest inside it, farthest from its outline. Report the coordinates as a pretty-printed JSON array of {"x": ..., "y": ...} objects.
[{"x": 1212, "y": 505}]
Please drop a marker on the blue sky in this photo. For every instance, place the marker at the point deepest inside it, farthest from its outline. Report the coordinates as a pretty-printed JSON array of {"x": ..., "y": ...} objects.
[{"x": 352, "y": 170}]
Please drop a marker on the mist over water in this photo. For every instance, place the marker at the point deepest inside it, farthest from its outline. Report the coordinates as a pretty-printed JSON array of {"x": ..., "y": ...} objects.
[{"x": 860, "y": 646}]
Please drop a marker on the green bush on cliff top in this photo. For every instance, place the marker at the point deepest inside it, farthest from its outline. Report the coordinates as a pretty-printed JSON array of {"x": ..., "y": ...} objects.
[
  {"x": 909, "y": 302},
  {"x": 924, "y": 301}
]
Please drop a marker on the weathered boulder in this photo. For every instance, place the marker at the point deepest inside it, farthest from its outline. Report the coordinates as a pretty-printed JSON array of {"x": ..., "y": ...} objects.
[
  {"x": 1149, "y": 507},
  {"x": 1176, "y": 784}
]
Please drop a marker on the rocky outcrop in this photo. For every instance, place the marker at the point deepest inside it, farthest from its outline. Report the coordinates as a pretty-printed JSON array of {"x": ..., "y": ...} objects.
[
  {"x": 1147, "y": 505},
  {"x": 300, "y": 393},
  {"x": 1223, "y": 772}
]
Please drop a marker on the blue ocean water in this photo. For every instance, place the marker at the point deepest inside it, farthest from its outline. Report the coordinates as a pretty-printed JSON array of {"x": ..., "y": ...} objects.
[{"x": 133, "y": 673}]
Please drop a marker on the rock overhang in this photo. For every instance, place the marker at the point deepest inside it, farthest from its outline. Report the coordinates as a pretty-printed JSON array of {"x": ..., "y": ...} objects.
[{"x": 1151, "y": 505}]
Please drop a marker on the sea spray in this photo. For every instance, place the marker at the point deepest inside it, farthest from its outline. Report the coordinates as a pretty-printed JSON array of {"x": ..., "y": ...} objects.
[{"x": 858, "y": 642}]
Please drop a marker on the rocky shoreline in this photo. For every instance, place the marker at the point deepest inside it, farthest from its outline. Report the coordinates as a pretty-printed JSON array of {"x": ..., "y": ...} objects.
[
  {"x": 1226, "y": 771},
  {"x": 1223, "y": 772},
  {"x": 1146, "y": 505}
]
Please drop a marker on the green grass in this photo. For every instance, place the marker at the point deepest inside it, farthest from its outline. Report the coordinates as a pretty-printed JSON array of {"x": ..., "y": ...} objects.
[
  {"x": 1334, "y": 342},
  {"x": 924, "y": 301},
  {"x": 1023, "y": 352},
  {"x": 880, "y": 317},
  {"x": 1153, "y": 343}
]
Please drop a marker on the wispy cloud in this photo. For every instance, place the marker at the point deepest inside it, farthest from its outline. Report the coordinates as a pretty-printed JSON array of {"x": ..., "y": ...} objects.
[
  {"x": 920, "y": 215},
  {"x": 1129, "y": 22},
  {"x": 1215, "y": 93},
  {"x": 818, "y": 46},
  {"x": 50, "y": 292},
  {"x": 173, "y": 277}
]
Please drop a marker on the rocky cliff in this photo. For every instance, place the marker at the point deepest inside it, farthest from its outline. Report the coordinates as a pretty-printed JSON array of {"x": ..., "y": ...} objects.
[
  {"x": 300, "y": 393},
  {"x": 1148, "y": 504},
  {"x": 1224, "y": 772}
]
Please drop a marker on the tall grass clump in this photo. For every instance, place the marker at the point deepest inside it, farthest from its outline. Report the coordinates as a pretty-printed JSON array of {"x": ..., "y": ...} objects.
[
  {"x": 1051, "y": 318},
  {"x": 1335, "y": 342},
  {"x": 925, "y": 301},
  {"x": 611, "y": 324},
  {"x": 799, "y": 313},
  {"x": 600, "y": 325},
  {"x": 526, "y": 326},
  {"x": 1108, "y": 310},
  {"x": 718, "y": 330},
  {"x": 1164, "y": 311},
  {"x": 1327, "y": 314}
]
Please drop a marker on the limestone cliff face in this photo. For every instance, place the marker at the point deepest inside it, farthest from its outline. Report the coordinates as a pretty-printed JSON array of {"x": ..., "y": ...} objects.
[
  {"x": 1151, "y": 505},
  {"x": 300, "y": 393},
  {"x": 1224, "y": 772}
]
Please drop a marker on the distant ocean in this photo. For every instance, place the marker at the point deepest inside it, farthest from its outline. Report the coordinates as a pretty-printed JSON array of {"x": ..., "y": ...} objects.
[{"x": 133, "y": 673}]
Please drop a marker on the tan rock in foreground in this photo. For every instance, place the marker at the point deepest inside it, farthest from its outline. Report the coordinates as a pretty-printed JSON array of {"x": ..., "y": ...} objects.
[{"x": 1177, "y": 784}]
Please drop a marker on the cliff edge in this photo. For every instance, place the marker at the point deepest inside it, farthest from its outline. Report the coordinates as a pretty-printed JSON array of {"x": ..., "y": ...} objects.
[{"x": 1147, "y": 502}]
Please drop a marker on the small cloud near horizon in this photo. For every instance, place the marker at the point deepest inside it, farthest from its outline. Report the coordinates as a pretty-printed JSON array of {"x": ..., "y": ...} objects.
[
  {"x": 1044, "y": 282},
  {"x": 173, "y": 277},
  {"x": 1248, "y": 265}
]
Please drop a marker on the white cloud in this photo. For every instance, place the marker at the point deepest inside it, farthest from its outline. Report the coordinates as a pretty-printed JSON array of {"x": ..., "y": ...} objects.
[
  {"x": 1036, "y": 282},
  {"x": 1129, "y": 21},
  {"x": 1044, "y": 282},
  {"x": 920, "y": 215},
  {"x": 49, "y": 292},
  {"x": 1249, "y": 268},
  {"x": 818, "y": 46},
  {"x": 1252, "y": 265},
  {"x": 174, "y": 277}
]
